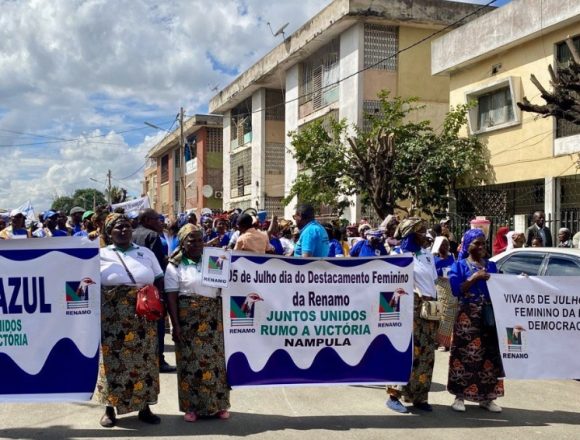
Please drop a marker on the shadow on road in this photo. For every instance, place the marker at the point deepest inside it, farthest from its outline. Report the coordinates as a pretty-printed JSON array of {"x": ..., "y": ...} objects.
[{"x": 244, "y": 424}]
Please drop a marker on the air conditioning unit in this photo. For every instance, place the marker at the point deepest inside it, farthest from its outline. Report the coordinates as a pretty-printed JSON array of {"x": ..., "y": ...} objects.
[{"x": 218, "y": 195}]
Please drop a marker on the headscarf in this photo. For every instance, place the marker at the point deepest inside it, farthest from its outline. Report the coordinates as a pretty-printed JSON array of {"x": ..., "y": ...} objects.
[
  {"x": 182, "y": 234},
  {"x": 406, "y": 232},
  {"x": 374, "y": 233},
  {"x": 469, "y": 237},
  {"x": 387, "y": 221},
  {"x": 500, "y": 242},
  {"x": 111, "y": 220}
]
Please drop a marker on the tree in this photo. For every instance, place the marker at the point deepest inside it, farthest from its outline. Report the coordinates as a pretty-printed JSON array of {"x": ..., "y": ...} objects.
[
  {"x": 396, "y": 160},
  {"x": 89, "y": 197},
  {"x": 564, "y": 101},
  {"x": 63, "y": 204},
  {"x": 118, "y": 195}
]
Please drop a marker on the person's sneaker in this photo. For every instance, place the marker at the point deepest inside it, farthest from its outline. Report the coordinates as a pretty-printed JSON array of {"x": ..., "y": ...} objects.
[
  {"x": 164, "y": 367},
  {"x": 397, "y": 406},
  {"x": 190, "y": 417},
  {"x": 423, "y": 406},
  {"x": 491, "y": 406},
  {"x": 224, "y": 414},
  {"x": 458, "y": 405}
]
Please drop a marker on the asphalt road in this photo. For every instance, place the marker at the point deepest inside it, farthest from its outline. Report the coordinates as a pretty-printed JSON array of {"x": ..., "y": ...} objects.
[{"x": 532, "y": 410}]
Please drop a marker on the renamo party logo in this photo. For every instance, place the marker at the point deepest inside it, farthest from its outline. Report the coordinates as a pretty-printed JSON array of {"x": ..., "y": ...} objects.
[
  {"x": 215, "y": 264},
  {"x": 242, "y": 309},
  {"x": 390, "y": 305},
  {"x": 515, "y": 343},
  {"x": 77, "y": 293}
]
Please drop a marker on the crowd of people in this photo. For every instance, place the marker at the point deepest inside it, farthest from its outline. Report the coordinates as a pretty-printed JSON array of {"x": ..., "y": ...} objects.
[{"x": 138, "y": 249}]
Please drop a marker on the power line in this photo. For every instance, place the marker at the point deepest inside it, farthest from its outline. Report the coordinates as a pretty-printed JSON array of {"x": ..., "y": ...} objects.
[{"x": 394, "y": 55}]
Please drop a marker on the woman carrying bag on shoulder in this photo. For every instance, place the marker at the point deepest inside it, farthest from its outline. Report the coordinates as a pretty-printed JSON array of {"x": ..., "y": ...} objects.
[{"x": 129, "y": 368}]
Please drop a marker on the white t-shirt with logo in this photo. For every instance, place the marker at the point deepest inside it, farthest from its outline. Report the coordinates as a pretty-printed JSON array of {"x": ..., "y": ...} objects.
[
  {"x": 140, "y": 261},
  {"x": 186, "y": 280},
  {"x": 425, "y": 273}
]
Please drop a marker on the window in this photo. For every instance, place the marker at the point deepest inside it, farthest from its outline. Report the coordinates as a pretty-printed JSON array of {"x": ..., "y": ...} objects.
[
  {"x": 561, "y": 266},
  {"x": 319, "y": 78},
  {"x": 165, "y": 168},
  {"x": 495, "y": 105},
  {"x": 381, "y": 47},
  {"x": 563, "y": 56},
  {"x": 494, "y": 108},
  {"x": 528, "y": 263},
  {"x": 240, "y": 180},
  {"x": 241, "y": 124}
]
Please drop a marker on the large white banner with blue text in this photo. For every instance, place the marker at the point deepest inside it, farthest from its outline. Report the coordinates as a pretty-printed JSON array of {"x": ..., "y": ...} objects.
[
  {"x": 290, "y": 321},
  {"x": 538, "y": 325},
  {"x": 49, "y": 319}
]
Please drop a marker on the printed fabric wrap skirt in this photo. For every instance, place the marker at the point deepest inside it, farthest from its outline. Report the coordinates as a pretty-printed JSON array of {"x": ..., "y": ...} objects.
[
  {"x": 201, "y": 367},
  {"x": 475, "y": 366},
  {"x": 449, "y": 312},
  {"x": 129, "y": 362},
  {"x": 424, "y": 335}
]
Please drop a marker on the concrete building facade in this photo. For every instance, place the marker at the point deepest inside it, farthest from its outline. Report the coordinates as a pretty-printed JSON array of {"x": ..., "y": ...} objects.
[
  {"x": 203, "y": 177},
  {"x": 489, "y": 62},
  {"x": 333, "y": 66}
]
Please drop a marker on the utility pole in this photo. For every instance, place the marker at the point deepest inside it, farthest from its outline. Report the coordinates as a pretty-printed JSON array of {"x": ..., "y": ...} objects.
[
  {"x": 109, "y": 199},
  {"x": 182, "y": 197}
]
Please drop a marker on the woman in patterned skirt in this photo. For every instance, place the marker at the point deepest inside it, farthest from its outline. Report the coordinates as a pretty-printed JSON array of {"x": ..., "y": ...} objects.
[
  {"x": 196, "y": 315},
  {"x": 475, "y": 366},
  {"x": 129, "y": 368},
  {"x": 413, "y": 232},
  {"x": 443, "y": 262}
]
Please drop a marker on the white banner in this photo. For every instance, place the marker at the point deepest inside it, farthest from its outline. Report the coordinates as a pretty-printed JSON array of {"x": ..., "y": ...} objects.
[
  {"x": 133, "y": 205},
  {"x": 310, "y": 321},
  {"x": 538, "y": 325},
  {"x": 49, "y": 319}
]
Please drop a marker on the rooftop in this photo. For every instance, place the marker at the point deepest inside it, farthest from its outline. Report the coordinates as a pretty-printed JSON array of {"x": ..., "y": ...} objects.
[
  {"x": 269, "y": 71},
  {"x": 190, "y": 126},
  {"x": 506, "y": 27}
]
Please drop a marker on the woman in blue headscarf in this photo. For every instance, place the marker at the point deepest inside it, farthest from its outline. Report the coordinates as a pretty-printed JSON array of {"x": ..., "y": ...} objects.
[
  {"x": 475, "y": 365},
  {"x": 413, "y": 232}
]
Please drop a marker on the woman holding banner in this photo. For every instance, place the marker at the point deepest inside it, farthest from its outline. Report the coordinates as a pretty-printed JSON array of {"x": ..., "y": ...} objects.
[
  {"x": 475, "y": 365},
  {"x": 413, "y": 232},
  {"x": 196, "y": 315},
  {"x": 129, "y": 371}
]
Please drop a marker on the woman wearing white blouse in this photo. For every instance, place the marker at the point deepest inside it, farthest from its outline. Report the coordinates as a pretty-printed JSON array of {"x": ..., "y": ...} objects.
[{"x": 196, "y": 314}]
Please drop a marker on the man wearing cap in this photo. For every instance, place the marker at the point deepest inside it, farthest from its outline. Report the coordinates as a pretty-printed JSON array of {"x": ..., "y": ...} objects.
[
  {"x": 16, "y": 228},
  {"x": 76, "y": 216},
  {"x": 87, "y": 225},
  {"x": 49, "y": 229}
]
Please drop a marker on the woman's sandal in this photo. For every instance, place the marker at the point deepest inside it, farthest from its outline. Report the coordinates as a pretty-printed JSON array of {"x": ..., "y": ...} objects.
[
  {"x": 190, "y": 417},
  {"x": 224, "y": 414}
]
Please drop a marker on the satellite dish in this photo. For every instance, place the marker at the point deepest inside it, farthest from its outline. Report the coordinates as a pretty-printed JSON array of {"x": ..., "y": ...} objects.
[
  {"x": 281, "y": 30},
  {"x": 207, "y": 191}
]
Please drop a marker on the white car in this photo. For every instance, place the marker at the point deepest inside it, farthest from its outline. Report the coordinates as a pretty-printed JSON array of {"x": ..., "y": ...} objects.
[{"x": 543, "y": 261}]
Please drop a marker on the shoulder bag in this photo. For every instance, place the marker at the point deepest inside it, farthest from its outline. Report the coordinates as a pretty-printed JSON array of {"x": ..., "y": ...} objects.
[{"x": 148, "y": 305}]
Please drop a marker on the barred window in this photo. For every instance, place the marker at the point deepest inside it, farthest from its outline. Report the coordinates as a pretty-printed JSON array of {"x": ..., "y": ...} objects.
[
  {"x": 214, "y": 140},
  {"x": 165, "y": 168},
  {"x": 320, "y": 76},
  {"x": 563, "y": 56},
  {"x": 381, "y": 44}
]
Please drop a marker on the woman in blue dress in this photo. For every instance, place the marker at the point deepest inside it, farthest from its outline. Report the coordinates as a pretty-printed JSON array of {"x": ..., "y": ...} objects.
[{"x": 475, "y": 366}]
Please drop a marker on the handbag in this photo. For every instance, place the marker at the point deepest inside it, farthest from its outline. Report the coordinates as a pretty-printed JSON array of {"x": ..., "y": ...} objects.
[
  {"x": 148, "y": 305},
  {"x": 431, "y": 310}
]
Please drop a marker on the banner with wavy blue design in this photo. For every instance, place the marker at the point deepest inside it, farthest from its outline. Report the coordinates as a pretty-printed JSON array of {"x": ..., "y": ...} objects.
[
  {"x": 292, "y": 321},
  {"x": 49, "y": 319}
]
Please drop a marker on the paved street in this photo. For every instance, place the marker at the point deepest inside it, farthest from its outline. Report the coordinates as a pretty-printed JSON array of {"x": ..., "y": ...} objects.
[{"x": 532, "y": 409}]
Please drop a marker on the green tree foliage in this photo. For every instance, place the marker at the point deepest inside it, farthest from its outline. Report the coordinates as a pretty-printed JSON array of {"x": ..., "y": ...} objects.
[
  {"x": 85, "y": 198},
  {"x": 63, "y": 204},
  {"x": 118, "y": 195},
  {"x": 396, "y": 160}
]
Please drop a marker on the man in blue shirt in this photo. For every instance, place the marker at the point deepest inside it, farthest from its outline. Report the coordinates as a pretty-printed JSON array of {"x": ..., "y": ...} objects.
[{"x": 313, "y": 241}]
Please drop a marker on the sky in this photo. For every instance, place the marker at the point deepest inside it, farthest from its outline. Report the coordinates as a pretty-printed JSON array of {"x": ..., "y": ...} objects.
[{"x": 79, "y": 78}]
